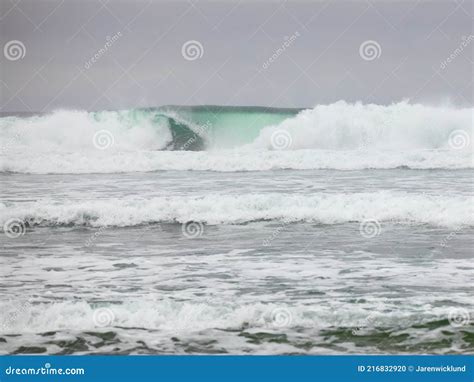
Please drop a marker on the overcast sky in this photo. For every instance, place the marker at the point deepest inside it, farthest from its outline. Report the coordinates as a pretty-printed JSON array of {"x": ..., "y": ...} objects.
[{"x": 145, "y": 64}]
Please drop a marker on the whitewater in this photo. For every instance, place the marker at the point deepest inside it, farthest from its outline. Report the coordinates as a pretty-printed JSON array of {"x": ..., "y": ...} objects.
[
  {"x": 339, "y": 136},
  {"x": 342, "y": 228}
]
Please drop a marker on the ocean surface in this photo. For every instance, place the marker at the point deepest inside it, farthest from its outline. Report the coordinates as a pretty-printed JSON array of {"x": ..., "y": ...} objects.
[{"x": 346, "y": 228}]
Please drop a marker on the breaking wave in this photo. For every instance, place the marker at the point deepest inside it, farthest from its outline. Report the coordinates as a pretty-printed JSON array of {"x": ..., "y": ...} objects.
[
  {"x": 324, "y": 208},
  {"x": 336, "y": 136}
]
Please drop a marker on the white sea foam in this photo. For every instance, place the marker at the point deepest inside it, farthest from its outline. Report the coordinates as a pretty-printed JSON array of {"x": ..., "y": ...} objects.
[
  {"x": 230, "y": 161},
  {"x": 401, "y": 126},
  {"x": 339, "y": 136},
  {"x": 175, "y": 317},
  {"x": 66, "y": 131},
  {"x": 325, "y": 208}
]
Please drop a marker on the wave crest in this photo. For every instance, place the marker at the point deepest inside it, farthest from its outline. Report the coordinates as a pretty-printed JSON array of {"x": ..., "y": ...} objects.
[
  {"x": 401, "y": 126},
  {"x": 325, "y": 208},
  {"x": 337, "y": 136}
]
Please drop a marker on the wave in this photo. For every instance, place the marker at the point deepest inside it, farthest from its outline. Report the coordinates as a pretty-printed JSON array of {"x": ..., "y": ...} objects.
[
  {"x": 162, "y": 128},
  {"x": 233, "y": 161},
  {"x": 324, "y": 208},
  {"x": 335, "y": 136},
  {"x": 172, "y": 316},
  {"x": 153, "y": 325},
  {"x": 401, "y": 126}
]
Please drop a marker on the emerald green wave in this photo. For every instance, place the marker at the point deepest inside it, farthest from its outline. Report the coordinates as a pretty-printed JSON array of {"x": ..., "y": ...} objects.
[{"x": 201, "y": 127}]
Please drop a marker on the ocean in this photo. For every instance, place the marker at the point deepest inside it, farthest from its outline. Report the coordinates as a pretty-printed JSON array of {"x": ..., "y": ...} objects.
[{"x": 340, "y": 229}]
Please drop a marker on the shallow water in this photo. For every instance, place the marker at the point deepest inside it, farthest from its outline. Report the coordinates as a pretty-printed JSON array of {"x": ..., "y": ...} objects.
[{"x": 270, "y": 262}]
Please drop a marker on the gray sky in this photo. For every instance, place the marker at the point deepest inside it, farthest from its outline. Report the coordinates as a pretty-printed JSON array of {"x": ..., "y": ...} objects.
[{"x": 144, "y": 64}]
